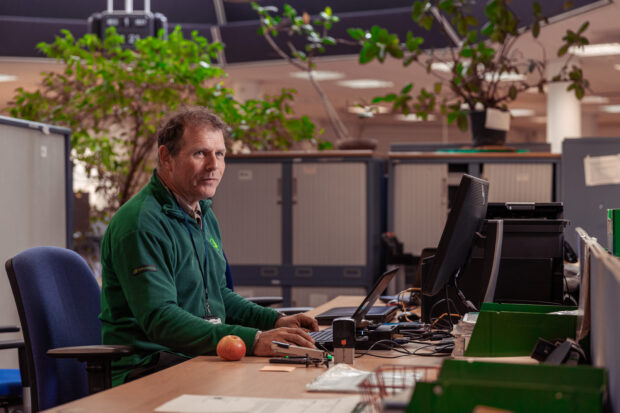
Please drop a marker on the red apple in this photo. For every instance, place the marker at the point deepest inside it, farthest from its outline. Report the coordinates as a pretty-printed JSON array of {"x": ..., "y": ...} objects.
[{"x": 230, "y": 348}]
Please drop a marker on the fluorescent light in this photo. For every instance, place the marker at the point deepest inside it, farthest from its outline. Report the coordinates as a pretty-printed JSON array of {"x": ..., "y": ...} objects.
[
  {"x": 601, "y": 49},
  {"x": 611, "y": 108},
  {"x": 595, "y": 99},
  {"x": 358, "y": 110},
  {"x": 446, "y": 67},
  {"x": 504, "y": 77},
  {"x": 442, "y": 67},
  {"x": 365, "y": 83},
  {"x": 318, "y": 75},
  {"x": 7, "y": 78},
  {"x": 412, "y": 117},
  {"x": 521, "y": 112}
]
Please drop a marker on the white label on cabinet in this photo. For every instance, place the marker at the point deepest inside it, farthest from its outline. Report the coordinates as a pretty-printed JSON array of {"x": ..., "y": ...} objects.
[{"x": 245, "y": 175}]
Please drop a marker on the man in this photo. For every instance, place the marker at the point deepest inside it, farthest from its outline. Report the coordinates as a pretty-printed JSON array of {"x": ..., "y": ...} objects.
[{"x": 164, "y": 290}]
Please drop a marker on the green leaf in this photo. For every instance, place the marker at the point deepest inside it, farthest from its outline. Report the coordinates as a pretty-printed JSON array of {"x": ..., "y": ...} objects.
[
  {"x": 356, "y": 33},
  {"x": 512, "y": 92}
]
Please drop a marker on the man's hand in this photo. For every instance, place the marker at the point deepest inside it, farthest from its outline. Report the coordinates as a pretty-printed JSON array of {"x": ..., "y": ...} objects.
[
  {"x": 298, "y": 320},
  {"x": 289, "y": 335}
]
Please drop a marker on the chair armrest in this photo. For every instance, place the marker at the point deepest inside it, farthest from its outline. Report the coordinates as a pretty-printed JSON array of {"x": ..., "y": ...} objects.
[
  {"x": 9, "y": 329},
  {"x": 85, "y": 353},
  {"x": 4, "y": 344},
  {"x": 98, "y": 362},
  {"x": 265, "y": 301}
]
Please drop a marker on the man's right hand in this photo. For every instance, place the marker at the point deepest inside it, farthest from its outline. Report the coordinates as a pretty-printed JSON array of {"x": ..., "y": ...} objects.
[{"x": 289, "y": 335}]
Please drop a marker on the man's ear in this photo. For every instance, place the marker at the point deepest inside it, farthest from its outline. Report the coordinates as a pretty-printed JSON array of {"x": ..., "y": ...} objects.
[{"x": 164, "y": 157}]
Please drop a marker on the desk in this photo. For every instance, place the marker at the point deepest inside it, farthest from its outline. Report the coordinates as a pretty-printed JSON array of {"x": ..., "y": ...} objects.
[{"x": 211, "y": 375}]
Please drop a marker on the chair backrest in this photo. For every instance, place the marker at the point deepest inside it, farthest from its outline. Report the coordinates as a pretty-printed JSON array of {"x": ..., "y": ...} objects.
[{"x": 57, "y": 299}]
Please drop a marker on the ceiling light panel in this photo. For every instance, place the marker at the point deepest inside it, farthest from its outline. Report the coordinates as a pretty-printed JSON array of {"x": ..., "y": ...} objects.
[
  {"x": 591, "y": 50},
  {"x": 318, "y": 75},
  {"x": 366, "y": 83}
]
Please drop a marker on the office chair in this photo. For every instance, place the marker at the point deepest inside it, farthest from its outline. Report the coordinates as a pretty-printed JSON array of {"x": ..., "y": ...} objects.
[
  {"x": 264, "y": 301},
  {"x": 58, "y": 304},
  {"x": 11, "y": 381}
]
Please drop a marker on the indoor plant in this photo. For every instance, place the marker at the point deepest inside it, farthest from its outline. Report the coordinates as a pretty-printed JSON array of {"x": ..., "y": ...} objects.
[
  {"x": 307, "y": 39},
  {"x": 112, "y": 98},
  {"x": 476, "y": 62}
]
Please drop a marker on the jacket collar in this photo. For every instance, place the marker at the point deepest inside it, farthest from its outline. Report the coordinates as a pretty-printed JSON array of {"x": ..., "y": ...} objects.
[{"x": 167, "y": 201}]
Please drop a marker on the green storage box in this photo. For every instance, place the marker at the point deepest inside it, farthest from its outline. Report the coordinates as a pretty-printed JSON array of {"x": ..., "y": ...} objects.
[
  {"x": 504, "y": 330},
  {"x": 463, "y": 385}
]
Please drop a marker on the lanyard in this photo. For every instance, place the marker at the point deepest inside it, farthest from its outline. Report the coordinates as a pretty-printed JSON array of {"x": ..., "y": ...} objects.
[{"x": 203, "y": 266}]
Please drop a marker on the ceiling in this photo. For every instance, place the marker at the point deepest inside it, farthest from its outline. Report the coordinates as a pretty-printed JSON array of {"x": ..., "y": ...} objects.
[{"x": 252, "y": 79}]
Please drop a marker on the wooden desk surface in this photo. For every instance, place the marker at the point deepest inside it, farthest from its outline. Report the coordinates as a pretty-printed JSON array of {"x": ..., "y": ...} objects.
[{"x": 210, "y": 375}]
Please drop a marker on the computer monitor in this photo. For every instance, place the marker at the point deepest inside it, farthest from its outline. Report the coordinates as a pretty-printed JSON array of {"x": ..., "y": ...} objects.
[{"x": 464, "y": 220}]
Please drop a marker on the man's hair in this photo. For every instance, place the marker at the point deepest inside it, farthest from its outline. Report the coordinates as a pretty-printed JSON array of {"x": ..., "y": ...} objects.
[{"x": 172, "y": 129}]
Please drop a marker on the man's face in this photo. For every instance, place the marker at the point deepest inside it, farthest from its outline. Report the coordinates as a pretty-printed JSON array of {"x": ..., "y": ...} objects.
[{"x": 197, "y": 168}]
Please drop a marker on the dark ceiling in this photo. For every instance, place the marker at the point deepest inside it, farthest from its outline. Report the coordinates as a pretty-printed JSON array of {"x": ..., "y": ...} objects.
[{"x": 28, "y": 22}]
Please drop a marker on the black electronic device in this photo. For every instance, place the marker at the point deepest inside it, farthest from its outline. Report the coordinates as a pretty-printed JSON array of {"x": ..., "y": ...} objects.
[
  {"x": 531, "y": 266},
  {"x": 464, "y": 220},
  {"x": 365, "y": 337},
  {"x": 129, "y": 23},
  {"x": 344, "y": 340},
  {"x": 365, "y": 310}
]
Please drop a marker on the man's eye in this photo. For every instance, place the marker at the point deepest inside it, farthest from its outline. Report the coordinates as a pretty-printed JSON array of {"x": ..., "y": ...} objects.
[{"x": 220, "y": 154}]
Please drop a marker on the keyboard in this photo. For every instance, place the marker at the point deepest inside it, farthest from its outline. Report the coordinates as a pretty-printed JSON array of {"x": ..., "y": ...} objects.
[{"x": 322, "y": 335}]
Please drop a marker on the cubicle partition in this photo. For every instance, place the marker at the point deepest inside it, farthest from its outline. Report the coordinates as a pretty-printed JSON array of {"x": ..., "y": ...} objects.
[
  {"x": 36, "y": 203},
  {"x": 590, "y": 183},
  {"x": 601, "y": 277},
  {"x": 302, "y": 225}
]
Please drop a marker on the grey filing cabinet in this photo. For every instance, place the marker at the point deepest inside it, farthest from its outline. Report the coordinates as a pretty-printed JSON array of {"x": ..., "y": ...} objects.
[
  {"x": 586, "y": 205},
  {"x": 421, "y": 187},
  {"x": 302, "y": 225},
  {"x": 36, "y": 202}
]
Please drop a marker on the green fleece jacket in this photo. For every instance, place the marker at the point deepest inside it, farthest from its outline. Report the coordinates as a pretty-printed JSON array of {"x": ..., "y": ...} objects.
[{"x": 153, "y": 294}]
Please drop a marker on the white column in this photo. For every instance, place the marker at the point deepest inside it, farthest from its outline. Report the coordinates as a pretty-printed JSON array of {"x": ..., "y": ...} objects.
[{"x": 563, "y": 111}]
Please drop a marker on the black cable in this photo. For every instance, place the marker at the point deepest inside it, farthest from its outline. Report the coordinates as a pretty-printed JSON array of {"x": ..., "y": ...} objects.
[
  {"x": 449, "y": 312},
  {"x": 431, "y": 354},
  {"x": 402, "y": 350},
  {"x": 435, "y": 305}
]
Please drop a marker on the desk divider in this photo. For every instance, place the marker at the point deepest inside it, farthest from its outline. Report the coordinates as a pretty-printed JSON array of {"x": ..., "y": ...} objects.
[
  {"x": 464, "y": 385},
  {"x": 513, "y": 329}
]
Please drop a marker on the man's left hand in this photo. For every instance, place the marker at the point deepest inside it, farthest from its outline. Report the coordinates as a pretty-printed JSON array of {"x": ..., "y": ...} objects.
[{"x": 297, "y": 320}]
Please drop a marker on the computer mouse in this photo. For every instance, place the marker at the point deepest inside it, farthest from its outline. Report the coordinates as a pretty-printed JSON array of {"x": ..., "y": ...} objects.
[{"x": 408, "y": 316}]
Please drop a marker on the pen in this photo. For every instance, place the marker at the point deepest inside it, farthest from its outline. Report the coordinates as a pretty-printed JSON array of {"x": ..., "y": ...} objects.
[{"x": 286, "y": 360}]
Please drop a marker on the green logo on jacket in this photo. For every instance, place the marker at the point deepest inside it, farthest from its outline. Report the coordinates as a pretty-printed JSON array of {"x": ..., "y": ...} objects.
[
  {"x": 143, "y": 268},
  {"x": 212, "y": 241}
]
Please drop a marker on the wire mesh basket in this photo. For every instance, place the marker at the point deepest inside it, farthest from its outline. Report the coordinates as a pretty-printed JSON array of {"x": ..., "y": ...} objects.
[{"x": 396, "y": 381}]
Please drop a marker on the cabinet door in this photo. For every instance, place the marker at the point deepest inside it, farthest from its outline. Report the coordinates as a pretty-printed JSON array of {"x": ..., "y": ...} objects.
[
  {"x": 329, "y": 213},
  {"x": 519, "y": 182},
  {"x": 420, "y": 204},
  {"x": 248, "y": 208}
]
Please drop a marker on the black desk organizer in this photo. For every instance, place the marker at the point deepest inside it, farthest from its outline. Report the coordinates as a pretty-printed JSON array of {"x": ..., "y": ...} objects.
[{"x": 532, "y": 261}]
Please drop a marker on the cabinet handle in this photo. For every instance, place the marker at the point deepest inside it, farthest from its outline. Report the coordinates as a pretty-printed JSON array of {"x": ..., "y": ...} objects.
[{"x": 279, "y": 191}]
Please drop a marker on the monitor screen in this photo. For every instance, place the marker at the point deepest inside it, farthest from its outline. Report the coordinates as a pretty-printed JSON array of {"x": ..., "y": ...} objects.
[{"x": 464, "y": 220}]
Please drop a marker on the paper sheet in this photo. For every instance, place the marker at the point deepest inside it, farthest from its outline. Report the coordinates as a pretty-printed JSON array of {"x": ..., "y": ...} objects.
[
  {"x": 193, "y": 403},
  {"x": 340, "y": 378},
  {"x": 602, "y": 170}
]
